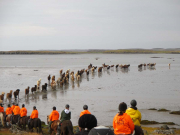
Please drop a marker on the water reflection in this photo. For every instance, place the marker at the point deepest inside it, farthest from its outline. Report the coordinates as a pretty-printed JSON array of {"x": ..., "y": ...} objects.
[
  {"x": 151, "y": 68},
  {"x": 140, "y": 69},
  {"x": 125, "y": 70},
  {"x": 27, "y": 99},
  {"x": 87, "y": 78},
  {"x": 73, "y": 86},
  {"x": 54, "y": 94},
  {"x": 35, "y": 97},
  {"x": 99, "y": 74},
  {"x": 108, "y": 72},
  {"x": 44, "y": 95},
  {"x": 117, "y": 70}
]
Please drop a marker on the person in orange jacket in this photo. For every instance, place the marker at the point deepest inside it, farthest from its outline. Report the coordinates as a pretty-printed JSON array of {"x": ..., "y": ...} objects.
[
  {"x": 23, "y": 112},
  {"x": 12, "y": 107},
  {"x": 2, "y": 111},
  {"x": 1, "y": 108},
  {"x": 53, "y": 116},
  {"x": 34, "y": 114},
  {"x": 8, "y": 111},
  {"x": 16, "y": 110},
  {"x": 85, "y": 107},
  {"x": 122, "y": 122}
]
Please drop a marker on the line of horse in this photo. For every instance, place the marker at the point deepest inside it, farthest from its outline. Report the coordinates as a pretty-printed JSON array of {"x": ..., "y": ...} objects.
[{"x": 67, "y": 76}]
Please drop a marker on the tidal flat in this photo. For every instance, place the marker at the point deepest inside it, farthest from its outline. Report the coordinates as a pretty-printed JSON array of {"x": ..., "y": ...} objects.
[{"x": 156, "y": 87}]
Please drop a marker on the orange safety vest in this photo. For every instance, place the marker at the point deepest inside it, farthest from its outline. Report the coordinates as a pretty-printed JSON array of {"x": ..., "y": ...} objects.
[
  {"x": 84, "y": 112},
  {"x": 12, "y": 107},
  {"x": 54, "y": 115},
  {"x": 16, "y": 110},
  {"x": 23, "y": 112},
  {"x": 34, "y": 114},
  {"x": 1, "y": 109},
  {"x": 8, "y": 110},
  {"x": 123, "y": 124}
]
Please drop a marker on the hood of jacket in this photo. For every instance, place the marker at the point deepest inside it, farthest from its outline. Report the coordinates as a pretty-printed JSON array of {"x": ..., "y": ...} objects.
[
  {"x": 66, "y": 111},
  {"x": 131, "y": 111}
]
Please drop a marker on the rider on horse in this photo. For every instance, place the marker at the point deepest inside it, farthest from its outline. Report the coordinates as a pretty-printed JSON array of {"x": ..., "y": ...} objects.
[
  {"x": 8, "y": 111},
  {"x": 53, "y": 116},
  {"x": 65, "y": 115},
  {"x": 85, "y": 107},
  {"x": 1, "y": 108},
  {"x": 34, "y": 114},
  {"x": 16, "y": 110},
  {"x": 23, "y": 112}
]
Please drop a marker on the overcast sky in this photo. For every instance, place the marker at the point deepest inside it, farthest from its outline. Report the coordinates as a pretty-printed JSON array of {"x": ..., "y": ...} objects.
[{"x": 89, "y": 24}]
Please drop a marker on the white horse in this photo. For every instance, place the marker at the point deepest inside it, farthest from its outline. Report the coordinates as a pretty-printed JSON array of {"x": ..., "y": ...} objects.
[
  {"x": 1, "y": 118},
  {"x": 39, "y": 84}
]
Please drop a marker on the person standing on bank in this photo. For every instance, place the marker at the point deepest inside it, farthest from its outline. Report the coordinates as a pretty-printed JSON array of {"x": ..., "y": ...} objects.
[
  {"x": 134, "y": 113},
  {"x": 122, "y": 122},
  {"x": 85, "y": 107}
]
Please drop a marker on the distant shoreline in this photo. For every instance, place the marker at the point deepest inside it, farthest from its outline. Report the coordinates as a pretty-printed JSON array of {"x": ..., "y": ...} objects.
[{"x": 120, "y": 51}]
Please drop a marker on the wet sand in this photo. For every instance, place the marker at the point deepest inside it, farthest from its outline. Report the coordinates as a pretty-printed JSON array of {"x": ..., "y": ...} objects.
[{"x": 152, "y": 88}]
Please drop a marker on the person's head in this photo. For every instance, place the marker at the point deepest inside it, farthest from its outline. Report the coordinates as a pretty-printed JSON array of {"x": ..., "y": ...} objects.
[
  {"x": 54, "y": 108},
  {"x": 9, "y": 105},
  {"x": 1, "y": 104},
  {"x": 133, "y": 103},
  {"x": 16, "y": 104},
  {"x": 67, "y": 106},
  {"x": 13, "y": 103},
  {"x": 34, "y": 107},
  {"x": 23, "y": 105},
  {"x": 87, "y": 121},
  {"x": 85, "y": 107},
  {"x": 122, "y": 108}
]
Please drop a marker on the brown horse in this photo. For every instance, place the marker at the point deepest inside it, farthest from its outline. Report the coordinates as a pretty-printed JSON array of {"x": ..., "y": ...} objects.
[
  {"x": 33, "y": 89},
  {"x": 23, "y": 122},
  {"x": 53, "y": 78},
  {"x": 27, "y": 90},
  {"x": 16, "y": 93},
  {"x": 9, "y": 95},
  {"x": 44, "y": 87},
  {"x": 54, "y": 125},
  {"x": 14, "y": 119},
  {"x": 35, "y": 123},
  {"x": 67, "y": 128},
  {"x": 2, "y": 96},
  {"x": 49, "y": 77}
]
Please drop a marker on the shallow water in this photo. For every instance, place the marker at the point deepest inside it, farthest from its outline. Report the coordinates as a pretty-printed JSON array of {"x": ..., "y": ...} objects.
[{"x": 152, "y": 88}]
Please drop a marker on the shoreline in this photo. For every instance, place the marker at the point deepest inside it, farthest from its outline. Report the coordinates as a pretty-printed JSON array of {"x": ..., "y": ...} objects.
[{"x": 93, "y": 51}]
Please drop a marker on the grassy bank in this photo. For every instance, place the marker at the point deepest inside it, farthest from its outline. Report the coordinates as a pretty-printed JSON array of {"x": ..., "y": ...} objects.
[{"x": 120, "y": 51}]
